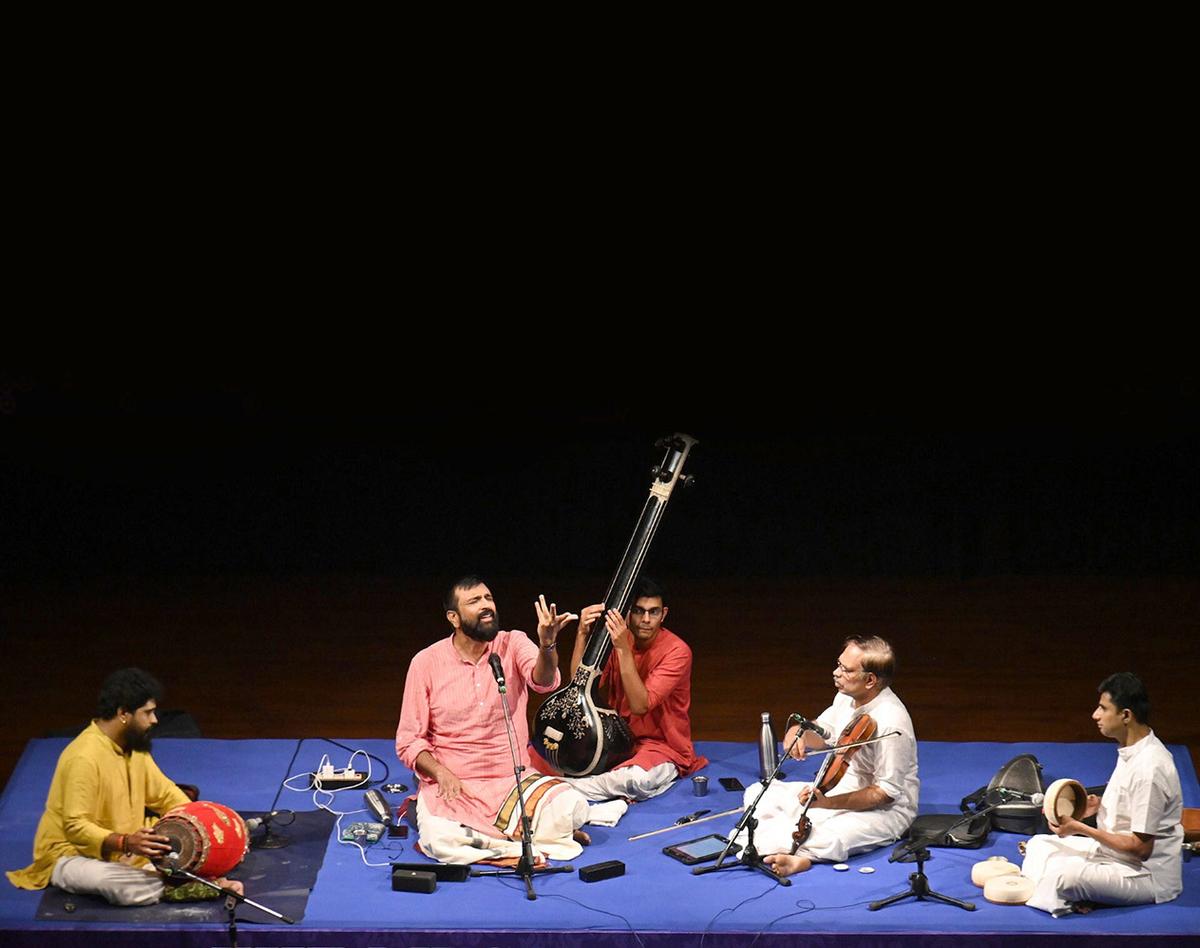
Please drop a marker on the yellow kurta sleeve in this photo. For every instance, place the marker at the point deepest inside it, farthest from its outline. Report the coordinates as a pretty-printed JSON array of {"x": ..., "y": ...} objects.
[{"x": 80, "y": 793}]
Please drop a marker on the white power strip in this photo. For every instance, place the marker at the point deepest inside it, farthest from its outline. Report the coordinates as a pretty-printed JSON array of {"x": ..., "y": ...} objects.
[{"x": 329, "y": 777}]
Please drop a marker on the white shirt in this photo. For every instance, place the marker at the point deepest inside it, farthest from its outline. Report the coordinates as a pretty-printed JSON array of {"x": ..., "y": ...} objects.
[
  {"x": 1144, "y": 796},
  {"x": 891, "y": 764}
]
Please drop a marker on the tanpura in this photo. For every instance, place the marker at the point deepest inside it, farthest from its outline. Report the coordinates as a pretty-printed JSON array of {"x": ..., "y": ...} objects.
[{"x": 573, "y": 729}]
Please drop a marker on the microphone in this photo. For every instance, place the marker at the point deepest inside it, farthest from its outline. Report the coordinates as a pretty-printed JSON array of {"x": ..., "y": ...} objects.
[
  {"x": 1037, "y": 799},
  {"x": 171, "y": 858},
  {"x": 256, "y": 821},
  {"x": 807, "y": 725},
  {"x": 498, "y": 671}
]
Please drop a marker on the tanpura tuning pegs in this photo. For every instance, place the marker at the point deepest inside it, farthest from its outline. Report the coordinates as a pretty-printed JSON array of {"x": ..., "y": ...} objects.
[{"x": 687, "y": 480}]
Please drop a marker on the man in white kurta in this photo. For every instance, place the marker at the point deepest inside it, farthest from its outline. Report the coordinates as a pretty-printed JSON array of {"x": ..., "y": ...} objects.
[
  {"x": 1134, "y": 855},
  {"x": 876, "y": 800}
]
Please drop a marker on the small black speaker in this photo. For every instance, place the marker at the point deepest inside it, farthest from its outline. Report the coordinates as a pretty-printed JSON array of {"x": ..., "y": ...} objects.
[
  {"x": 406, "y": 880},
  {"x": 441, "y": 871},
  {"x": 597, "y": 872}
]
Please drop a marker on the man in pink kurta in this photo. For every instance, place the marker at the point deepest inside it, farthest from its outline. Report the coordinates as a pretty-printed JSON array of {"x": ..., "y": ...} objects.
[{"x": 452, "y": 733}]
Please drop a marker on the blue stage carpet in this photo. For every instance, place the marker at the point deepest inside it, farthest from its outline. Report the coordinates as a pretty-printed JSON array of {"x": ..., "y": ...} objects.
[{"x": 657, "y": 902}]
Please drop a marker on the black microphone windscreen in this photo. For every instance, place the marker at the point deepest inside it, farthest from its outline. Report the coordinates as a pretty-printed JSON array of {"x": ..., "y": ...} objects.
[{"x": 497, "y": 670}]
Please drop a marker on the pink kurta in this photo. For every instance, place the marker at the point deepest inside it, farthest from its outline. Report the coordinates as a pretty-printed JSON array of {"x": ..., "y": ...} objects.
[
  {"x": 664, "y": 732},
  {"x": 452, "y": 709}
]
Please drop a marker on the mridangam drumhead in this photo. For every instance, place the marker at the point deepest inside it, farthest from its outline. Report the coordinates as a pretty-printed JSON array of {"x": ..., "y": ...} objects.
[
  {"x": 1064, "y": 798},
  {"x": 991, "y": 867},
  {"x": 1008, "y": 890}
]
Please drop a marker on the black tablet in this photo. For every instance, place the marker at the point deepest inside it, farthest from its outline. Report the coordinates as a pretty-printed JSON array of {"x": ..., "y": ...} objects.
[{"x": 700, "y": 850}]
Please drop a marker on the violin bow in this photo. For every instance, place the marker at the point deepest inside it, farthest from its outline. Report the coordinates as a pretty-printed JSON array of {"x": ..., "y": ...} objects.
[
  {"x": 675, "y": 826},
  {"x": 839, "y": 747}
]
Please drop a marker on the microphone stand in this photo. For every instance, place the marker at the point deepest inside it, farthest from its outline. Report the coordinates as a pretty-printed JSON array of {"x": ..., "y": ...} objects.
[
  {"x": 525, "y": 868},
  {"x": 269, "y": 839},
  {"x": 918, "y": 883},
  {"x": 232, "y": 900},
  {"x": 917, "y": 850},
  {"x": 749, "y": 857}
]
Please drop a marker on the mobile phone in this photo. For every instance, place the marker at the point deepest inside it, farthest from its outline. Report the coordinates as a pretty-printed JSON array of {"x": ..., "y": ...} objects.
[
  {"x": 701, "y": 849},
  {"x": 731, "y": 783}
]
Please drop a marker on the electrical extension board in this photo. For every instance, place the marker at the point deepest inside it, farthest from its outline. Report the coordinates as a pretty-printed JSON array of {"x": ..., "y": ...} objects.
[{"x": 329, "y": 779}]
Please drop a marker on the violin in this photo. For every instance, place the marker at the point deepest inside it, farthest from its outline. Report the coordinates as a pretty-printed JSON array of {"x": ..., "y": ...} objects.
[{"x": 860, "y": 731}]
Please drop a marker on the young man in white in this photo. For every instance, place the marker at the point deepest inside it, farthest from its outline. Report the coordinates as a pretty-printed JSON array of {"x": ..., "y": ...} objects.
[{"x": 1134, "y": 855}]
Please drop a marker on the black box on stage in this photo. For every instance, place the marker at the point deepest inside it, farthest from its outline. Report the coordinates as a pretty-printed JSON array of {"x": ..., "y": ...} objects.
[
  {"x": 406, "y": 880},
  {"x": 441, "y": 871},
  {"x": 597, "y": 872}
]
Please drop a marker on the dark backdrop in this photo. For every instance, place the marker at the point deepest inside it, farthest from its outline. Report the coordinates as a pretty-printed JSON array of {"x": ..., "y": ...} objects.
[{"x": 276, "y": 475}]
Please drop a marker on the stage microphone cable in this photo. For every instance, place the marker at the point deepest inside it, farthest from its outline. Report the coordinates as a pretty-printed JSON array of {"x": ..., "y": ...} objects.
[
  {"x": 287, "y": 770},
  {"x": 804, "y": 909},
  {"x": 733, "y": 908},
  {"x": 583, "y": 905}
]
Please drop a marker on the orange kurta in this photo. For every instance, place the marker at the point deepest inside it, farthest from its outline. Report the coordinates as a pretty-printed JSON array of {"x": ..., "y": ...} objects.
[{"x": 664, "y": 732}]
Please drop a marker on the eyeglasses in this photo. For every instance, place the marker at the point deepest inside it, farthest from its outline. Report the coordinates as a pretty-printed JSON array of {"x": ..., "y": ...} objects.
[
  {"x": 846, "y": 671},
  {"x": 654, "y": 612}
]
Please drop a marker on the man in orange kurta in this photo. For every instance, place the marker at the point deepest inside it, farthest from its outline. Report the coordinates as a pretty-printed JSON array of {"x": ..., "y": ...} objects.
[{"x": 648, "y": 679}]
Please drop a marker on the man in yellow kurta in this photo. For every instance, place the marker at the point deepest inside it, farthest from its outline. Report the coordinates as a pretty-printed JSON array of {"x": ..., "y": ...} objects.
[{"x": 93, "y": 836}]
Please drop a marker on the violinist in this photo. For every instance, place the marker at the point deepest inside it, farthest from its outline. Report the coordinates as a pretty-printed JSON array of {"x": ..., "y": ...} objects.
[{"x": 875, "y": 800}]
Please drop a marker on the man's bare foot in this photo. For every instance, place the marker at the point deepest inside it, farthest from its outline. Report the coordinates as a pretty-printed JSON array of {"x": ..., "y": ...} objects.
[
  {"x": 582, "y": 838},
  {"x": 784, "y": 865}
]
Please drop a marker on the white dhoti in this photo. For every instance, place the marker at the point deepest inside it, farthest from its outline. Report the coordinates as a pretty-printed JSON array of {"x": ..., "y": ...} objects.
[
  {"x": 1074, "y": 870},
  {"x": 836, "y": 834},
  {"x": 118, "y": 882},
  {"x": 556, "y": 811},
  {"x": 632, "y": 783}
]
